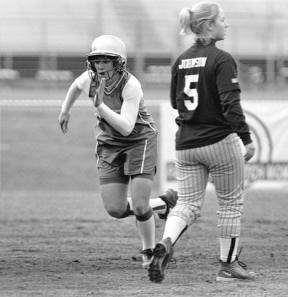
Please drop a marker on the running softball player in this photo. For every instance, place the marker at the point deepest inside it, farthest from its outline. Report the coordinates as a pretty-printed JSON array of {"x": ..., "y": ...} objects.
[
  {"x": 206, "y": 93},
  {"x": 126, "y": 147}
]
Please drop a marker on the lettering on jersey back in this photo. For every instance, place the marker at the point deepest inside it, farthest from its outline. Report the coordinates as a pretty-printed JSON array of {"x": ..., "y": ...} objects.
[{"x": 193, "y": 63}]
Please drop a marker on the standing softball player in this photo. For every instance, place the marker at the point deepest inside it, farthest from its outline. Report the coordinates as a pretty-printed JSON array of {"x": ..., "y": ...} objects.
[
  {"x": 126, "y": 147},
  {"x": 206, "y": 93}
]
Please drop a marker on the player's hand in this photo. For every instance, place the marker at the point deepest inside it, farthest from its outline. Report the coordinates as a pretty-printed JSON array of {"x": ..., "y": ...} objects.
[
  {"x": 249, "y": 151},
  {"x": 98, "y": 98},
  {"x": 63, "y": 120}
]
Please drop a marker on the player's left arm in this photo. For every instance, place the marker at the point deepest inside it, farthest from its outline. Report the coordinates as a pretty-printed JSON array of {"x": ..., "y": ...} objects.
[
  {"x": 229, "y": 92},
  {"x": 234, "y": 114},
  {"x": 125, "y": 121}
]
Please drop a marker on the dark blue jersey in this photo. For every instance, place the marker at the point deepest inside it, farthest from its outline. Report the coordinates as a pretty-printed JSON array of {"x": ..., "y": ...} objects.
[{"x": 206, "y": 93}]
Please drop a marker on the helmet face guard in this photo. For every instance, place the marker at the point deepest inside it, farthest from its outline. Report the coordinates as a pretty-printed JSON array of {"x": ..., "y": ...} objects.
[
  {"x": 109, "y": 47},
  {"x": 118, "y": 63}
]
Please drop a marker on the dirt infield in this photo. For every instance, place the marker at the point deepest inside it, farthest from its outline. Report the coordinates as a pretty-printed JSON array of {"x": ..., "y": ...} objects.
[
  {"x": 56, "y": 240},
  {"x": 63, "y": 244}
]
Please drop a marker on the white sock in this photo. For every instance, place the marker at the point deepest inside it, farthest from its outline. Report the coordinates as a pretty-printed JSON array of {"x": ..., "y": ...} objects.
[
  {"x": 146, "y": 230},
  {"x": 173, "y": 228},
  {"x": 130, "y": 202},
  {"x": 228, "y": 249},
  {"x": 157, "y": 204}
]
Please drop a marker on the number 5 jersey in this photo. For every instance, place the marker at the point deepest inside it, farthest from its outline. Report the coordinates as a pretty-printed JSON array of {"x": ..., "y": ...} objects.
[{"x": 206, "y": 92}]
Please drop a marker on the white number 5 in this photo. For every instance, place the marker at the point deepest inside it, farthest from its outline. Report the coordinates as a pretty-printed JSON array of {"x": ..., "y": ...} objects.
[{"x": 192, "y": 102}]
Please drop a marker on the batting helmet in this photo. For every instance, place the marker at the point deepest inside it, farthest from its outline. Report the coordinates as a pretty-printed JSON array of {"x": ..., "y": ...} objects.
[{"x": 108, "y": 45}]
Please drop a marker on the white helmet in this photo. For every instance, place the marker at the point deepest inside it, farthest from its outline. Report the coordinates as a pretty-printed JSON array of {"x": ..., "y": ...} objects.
[{"x": 109, "y": 45}]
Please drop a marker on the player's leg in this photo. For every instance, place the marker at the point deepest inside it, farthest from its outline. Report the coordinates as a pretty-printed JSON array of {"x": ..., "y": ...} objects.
[
  {"x": 227, "y": 171},
  {"x": 141, "y": 187},
  {"x": 114, "y": 196},
  {"x": 140, "y": 164},
  {"x": 228, "y": 177},
  {"x": 161, "y": 204},
  {"x": 192, "y": 180},
  {"x": 113, "y": 182}
]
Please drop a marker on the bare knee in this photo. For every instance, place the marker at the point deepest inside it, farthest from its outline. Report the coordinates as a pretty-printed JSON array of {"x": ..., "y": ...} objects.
[
  {"x": 117, "y": 213},
  {"x": 145, "y": 216},
  {"x": 141, "y": 208},
  {"x": 114, "y": 197}
]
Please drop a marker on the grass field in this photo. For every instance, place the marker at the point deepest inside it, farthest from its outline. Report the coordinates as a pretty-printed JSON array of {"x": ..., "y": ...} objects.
[{"x": 56, "y": 239}]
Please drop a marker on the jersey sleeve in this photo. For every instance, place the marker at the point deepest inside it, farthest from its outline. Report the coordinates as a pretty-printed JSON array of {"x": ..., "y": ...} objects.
[
  {"x": 173, "y": 86},
  {"x": 232, "y": 111},
  {"x": 83, "y": 82},
  {"x": 226, "y": 74},
  {"x": 132, "y": 89}
]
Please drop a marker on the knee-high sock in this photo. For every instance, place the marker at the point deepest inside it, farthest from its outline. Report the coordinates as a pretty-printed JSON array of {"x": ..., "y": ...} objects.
[
  {"x": 228, "y": 249},
  {"x": 157, "y": 204},
  {"x": 174, "y": 228},
  {"x": 146, "y": 230}
]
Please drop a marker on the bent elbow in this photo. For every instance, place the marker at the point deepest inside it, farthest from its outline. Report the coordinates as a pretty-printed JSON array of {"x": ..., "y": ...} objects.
[{"x": 126, "y": 131}]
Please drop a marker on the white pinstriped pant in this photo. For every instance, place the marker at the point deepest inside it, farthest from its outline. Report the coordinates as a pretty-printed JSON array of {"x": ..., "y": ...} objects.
[{"x": 225, "y": 163}]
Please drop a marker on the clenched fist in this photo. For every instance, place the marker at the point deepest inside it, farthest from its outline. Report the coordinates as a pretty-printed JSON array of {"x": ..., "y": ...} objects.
[
  {"x": 63, "y": 120},
  {"x": 250, "y": 151}
]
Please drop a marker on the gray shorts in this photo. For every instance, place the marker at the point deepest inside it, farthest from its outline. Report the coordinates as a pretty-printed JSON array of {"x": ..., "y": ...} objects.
[{"x": 114, "y": 162}]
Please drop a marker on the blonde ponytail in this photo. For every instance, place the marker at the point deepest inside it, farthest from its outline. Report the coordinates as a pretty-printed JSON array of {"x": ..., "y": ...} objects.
[
  {"x": 185, "y": 17},
  {"x": 194, "y": 20}
]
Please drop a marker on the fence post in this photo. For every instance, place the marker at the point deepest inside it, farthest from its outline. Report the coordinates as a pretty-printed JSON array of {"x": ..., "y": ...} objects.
[{"x": 138, "y": 52}]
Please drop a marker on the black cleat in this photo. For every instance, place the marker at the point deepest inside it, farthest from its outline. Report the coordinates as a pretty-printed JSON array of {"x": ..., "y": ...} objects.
[
  {"x": 170, "y": 198},
  {"x": 162, "y": 255}
]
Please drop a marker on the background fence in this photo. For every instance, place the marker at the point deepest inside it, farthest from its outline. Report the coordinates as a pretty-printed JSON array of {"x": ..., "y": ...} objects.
[
  {"x": 43, "y": 45},
  {"x": 47, "y": 41}
]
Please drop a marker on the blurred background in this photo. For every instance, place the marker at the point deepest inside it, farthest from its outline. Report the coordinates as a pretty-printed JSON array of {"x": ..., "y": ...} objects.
[
  {"x": 43, "y": 47},
  {"x": 44, "y": 43},
  {"x": 55, "y": 237}
]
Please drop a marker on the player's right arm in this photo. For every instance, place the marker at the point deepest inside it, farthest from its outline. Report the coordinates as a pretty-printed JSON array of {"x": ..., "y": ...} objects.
[
  {"x": 80, "y": 84},
  {"x": 72, "y": 94}
]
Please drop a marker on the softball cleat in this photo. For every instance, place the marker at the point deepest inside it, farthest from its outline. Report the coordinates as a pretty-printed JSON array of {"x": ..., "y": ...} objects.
[
  {"x": 170, "y": 198},
  {"x": 234, "y": 271},
  {"x": 162, "y": 255}
]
